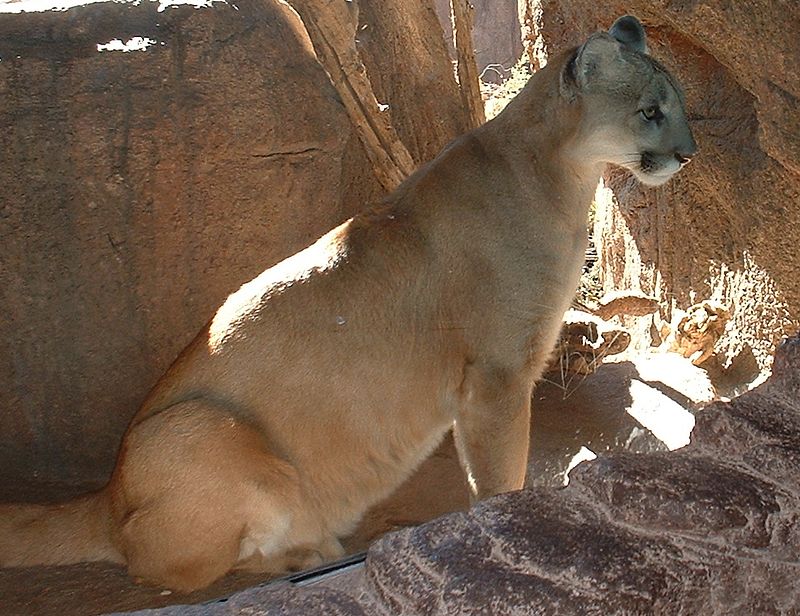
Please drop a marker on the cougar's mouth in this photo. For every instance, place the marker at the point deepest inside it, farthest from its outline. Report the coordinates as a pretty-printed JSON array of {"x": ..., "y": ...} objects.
[
  {"x": 652, "y": 172},
  {"x": 647, "y": 162}
]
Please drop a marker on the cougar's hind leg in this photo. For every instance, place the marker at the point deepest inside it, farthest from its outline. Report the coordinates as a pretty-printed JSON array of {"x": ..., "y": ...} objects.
[
  {"x": 195, "y": 482},
  {"x": 283, "y": 545}
]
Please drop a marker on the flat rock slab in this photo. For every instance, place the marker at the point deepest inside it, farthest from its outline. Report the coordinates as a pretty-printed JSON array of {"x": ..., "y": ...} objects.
[{"x": 710, "y": 529}]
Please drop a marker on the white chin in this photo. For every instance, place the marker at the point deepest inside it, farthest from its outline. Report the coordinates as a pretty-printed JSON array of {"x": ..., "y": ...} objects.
[{"x": 653, "y": 179}]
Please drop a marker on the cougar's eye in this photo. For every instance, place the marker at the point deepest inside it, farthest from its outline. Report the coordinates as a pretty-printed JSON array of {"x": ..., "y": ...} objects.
[{"x": 651, "y": 113}]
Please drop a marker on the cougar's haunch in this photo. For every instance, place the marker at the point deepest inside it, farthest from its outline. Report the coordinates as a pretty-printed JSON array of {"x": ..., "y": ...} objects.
[{"x": 318, "y": 387}]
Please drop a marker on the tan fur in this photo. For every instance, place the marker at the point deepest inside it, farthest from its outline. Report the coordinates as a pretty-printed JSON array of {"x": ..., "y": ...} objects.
[{"x": 318, "y": 387}]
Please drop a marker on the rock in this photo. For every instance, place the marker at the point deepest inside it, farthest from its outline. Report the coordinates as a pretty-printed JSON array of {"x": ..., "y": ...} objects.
[
  {"x": 496, "y": 35},
  {"x": 408, "y": 67},
  {"x": 138, "y": 189},
  {"x": 626, "y": 303},
  {"x": 711, "y": 529},
  {"x": 639, "y": 404},
  {"x": 698, "y": 330},
  {"x": 585, "y": 341},
  {"x": 726, "y": 228}
]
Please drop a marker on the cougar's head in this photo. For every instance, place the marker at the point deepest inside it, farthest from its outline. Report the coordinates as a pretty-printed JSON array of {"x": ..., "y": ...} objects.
[{"x": 633, "y": 110}]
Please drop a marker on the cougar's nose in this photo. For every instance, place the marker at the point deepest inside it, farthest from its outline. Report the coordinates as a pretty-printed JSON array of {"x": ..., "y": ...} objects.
[{"x": 686, "y": 151}]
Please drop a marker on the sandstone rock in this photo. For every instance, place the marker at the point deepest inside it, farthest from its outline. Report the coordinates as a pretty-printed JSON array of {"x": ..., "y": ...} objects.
[
  {"x": 496, "y": 36},
  {"x": 698, "y": 330},
  {"x": 728, "y": 227},
  {"x": 138, "y": 189},
  {"x": 407, "y": 64},
  {"x": 639, "y": 404},
  {"x": 625, "y": 303},
  {"x": 585, "y": 341}
]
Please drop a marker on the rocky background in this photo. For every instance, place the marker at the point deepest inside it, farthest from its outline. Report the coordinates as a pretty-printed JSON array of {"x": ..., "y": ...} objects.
[
  {"x": 496, "y": 35},
  {"x": 138, "y": 189},
  {"x": 728, "y": 228}
]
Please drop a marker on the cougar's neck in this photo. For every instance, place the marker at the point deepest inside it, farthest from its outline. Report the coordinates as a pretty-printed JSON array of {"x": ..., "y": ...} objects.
[{"x": 538, "y": 132}]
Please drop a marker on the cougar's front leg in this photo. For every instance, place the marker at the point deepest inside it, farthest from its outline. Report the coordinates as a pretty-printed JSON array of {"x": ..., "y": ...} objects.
[{"x": 492, "y": 429}]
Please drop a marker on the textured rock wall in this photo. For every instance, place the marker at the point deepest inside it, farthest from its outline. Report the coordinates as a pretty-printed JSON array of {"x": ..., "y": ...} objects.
[
  {"x": 728, "y": 227},
  {"x": 496, "y": 33},
  {"x": 138, "y": 189},
  {"x": 405, "y": 56}
]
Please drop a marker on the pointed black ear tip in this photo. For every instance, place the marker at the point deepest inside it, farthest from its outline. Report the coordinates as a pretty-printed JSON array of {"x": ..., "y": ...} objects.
[
  {"x": 629, "y": 31},
  {"x": 628, "y": 25}
]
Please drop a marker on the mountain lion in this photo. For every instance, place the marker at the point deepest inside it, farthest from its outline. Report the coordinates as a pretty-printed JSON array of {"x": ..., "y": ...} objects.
[{"x": 318, "y": 387}]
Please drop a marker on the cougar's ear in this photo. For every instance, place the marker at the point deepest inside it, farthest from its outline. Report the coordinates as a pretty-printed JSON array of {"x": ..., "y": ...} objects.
[
  {"x": 596, "y": 58},
  {"x": 568, "y": 83},
  {"x": 600, "y": 57},
  {"x": 629, "y": 31}
]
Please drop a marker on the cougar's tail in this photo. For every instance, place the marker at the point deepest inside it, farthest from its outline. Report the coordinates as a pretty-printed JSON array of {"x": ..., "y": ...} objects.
[{"x": 75, "y": 531}]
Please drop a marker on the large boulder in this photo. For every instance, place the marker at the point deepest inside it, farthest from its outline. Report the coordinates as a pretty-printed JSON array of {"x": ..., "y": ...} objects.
[
  {"x": 139, "y": 188},
  {"x": 728, "y": 227}
]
